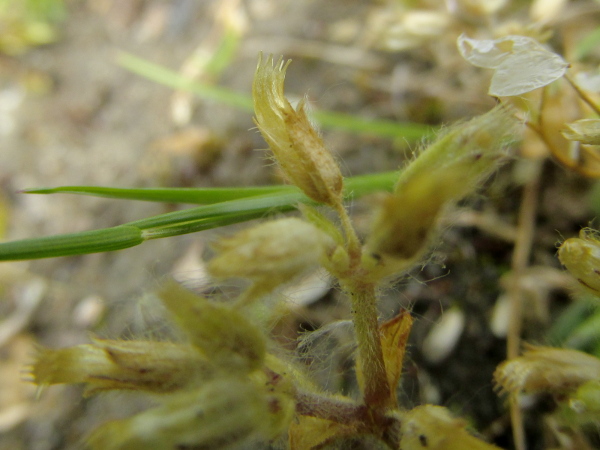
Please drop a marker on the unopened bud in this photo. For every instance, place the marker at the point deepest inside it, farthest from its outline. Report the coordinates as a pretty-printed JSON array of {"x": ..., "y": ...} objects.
[
  {"x": 444, "y": 172},
  {"x": 222, "y": 414},
  {"x": 296, "y": 145},
  {"x": 433, "y": 428},
  {"x": 581, "y": 257},
  {"x": 272, "y": 252},
  {"x": 132, "y": 365},
  {"x": 223, "y": 334},
  {"x": 547, "y": 369}
]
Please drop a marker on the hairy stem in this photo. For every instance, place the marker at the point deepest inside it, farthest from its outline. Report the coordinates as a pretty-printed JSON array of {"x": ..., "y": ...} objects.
[
  {"x": 363, "y": 296},
  {"x": 334, "y": 409},
  {"x": 352, "y": 242},
  {"x": 371, "y": 365}
]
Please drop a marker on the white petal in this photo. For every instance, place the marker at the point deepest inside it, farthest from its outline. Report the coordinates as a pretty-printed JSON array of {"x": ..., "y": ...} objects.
[
  {"x": 522, "y": 64},
  {"x": 481, "y": 52},
  {"x": 525, "y": 71}
]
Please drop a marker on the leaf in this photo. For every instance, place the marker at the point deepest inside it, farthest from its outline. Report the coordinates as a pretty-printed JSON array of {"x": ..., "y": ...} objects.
[
  {"x": 355, "y": 186},
  {"x": 394, "y": 336},
  {"x": 326, "y": 119},
  {"x": 202, "y": 196},
  {"x": 191, "y": 220},
  {"x": 103, "y": 240},
  {"x": 521, "y": 63}
]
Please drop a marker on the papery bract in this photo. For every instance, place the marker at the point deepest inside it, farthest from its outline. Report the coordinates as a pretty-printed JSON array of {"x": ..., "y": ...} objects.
[{"x": 521, "y": 63}]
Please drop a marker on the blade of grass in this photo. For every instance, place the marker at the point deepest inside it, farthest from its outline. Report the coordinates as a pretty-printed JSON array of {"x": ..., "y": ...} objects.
[
  {"x": 110, "y": 239},
  {"x": 328, "y": 119},
  {"x": 180, "y": 222},
  {"x": 94, "y": 241},
  {"x": 167, "y": 77},
  {"x": 572, "y": 317},
  {"x": 359, "y": 185},
  {"x": 175, "y": 195},
  {"x": 411, "y": 132},
  {"x": 259, "y": 205},
  {"x": 199, "y": 225}
]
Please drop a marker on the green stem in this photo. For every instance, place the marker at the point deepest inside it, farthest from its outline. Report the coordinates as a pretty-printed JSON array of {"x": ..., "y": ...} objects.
[
  {"x": 363, "y": 295},
  {"x": 366, "y": 327},
  {"x": 353, "y": 245}
]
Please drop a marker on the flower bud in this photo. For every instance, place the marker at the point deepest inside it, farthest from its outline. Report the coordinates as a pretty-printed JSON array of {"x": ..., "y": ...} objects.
[
  {"x": 433, "y": 428},
  {"x": 547, "y": 369},
  {"x": 444, "y": 172},
  {"x": 296, "y": 145},
  {"x": 581, "y": 257},
  {"x": 223, "y": 414},
  {"x": 272, "y": 252},
  {"x": 134, "y": 365},
  {"x": 223, "y": 334}
]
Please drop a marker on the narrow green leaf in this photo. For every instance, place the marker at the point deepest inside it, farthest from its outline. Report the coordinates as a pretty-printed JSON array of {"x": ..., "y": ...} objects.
[
  {"x": 367, "y": 184},
  {"x": 571, "y": 318},
  {"x": 166, "y": 77},
  {"x": 376, "y": 127},
  {"x": 204, "y": 196},
  {"x": 586, "y": 334},
  {"x": 327, "y": 119},
  {"x": 357, "y": 186},
  {"x": 200, "y": 225},
  {"x": 259, "y": 205},
  {"x": 284, "y": 198},
  {"x": 103, "y": 240}
]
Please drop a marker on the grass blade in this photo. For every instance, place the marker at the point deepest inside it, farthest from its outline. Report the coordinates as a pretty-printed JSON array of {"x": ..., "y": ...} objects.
[
  {"x": 358, "y": 186},
  {"x": 327, "y": 119},
  {"x": 254, "y": 205},
  {"x": 284, "y": 198},
  {"x": 175, "y": 195},
  {"x": 94, "y": 241}
]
